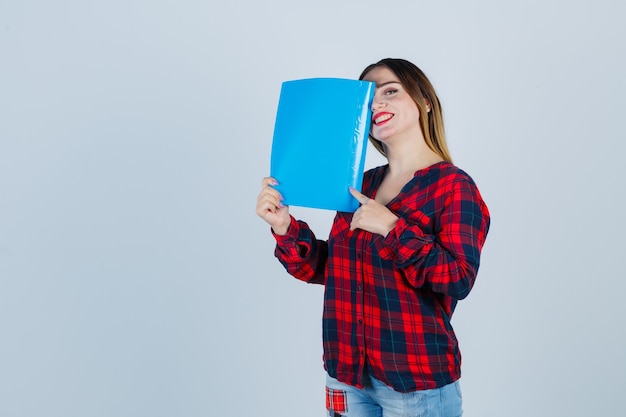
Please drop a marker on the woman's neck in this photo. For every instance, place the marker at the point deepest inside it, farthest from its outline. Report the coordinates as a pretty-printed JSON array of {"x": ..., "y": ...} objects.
[{"x": 409, "y": 159}]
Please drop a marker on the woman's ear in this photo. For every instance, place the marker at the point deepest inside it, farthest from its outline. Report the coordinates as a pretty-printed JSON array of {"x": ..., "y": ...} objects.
[{"x": 428, "y": 106}]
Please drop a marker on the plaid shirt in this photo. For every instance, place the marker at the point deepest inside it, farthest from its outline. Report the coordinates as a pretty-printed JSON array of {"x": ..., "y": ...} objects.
[{"x": 389, "y": 300}]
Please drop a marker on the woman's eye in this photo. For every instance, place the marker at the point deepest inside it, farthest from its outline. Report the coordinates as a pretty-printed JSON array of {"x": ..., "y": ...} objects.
[{"x": 390, "y": 92}]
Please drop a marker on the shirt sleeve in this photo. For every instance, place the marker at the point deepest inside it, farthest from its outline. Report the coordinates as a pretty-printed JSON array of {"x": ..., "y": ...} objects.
[
  {"x": 302, "y": 255},
  {"x": 447, "y": 261}
]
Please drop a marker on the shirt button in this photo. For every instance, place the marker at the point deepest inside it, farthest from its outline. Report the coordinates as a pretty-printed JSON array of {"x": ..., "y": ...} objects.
[
  {"x": 359, "y": 288},
  {"x": 358, "y": 256},
  {"x": 360, "y": 321}
]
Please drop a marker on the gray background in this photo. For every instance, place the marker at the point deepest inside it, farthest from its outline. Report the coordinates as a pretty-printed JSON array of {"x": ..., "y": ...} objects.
[{"x": 135, "y": 278}]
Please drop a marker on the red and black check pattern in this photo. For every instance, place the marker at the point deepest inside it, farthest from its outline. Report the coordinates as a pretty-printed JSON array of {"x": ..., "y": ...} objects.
[
  {"x": 336, "y": 400},
  {"x": 390, "y": 299}
]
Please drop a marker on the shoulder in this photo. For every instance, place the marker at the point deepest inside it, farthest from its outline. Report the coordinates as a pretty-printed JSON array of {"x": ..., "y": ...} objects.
[
  {"x": 373, "y": 176},
  {"x": 451, "y": 183},
  {"x": 450, "y": 175},
  {"x": 374, "y": 172},
  {"x": 460, "y": 187}
]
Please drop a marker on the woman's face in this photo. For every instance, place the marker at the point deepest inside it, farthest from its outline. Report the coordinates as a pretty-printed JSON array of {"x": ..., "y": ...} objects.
[{"x": 394, "y": 113}]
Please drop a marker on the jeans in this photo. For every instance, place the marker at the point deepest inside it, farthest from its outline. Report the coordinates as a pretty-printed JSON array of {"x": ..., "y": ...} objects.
[{"x": 379, "y": 400}]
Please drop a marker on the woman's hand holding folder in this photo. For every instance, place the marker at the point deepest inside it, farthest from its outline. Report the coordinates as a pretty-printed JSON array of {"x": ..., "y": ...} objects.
[{"x": 270, "y": 207}]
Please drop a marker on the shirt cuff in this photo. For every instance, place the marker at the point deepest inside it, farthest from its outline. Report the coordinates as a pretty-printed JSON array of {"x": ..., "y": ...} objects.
[
  {"x": 292, "y": 233},
  {"x": 287, "y": 245},
  {"x": 394, "y": 244}
]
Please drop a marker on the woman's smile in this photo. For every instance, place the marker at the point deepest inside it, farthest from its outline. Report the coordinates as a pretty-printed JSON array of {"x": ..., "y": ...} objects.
[{"x": 382, "y": 118}]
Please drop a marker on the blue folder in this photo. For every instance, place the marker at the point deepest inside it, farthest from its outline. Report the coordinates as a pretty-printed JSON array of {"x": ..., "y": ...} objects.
[{"x": 320, "y": 140}]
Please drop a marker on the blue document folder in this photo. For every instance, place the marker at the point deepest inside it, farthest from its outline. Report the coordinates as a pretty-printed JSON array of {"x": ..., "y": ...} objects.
[{"x": 320, "y": 140}]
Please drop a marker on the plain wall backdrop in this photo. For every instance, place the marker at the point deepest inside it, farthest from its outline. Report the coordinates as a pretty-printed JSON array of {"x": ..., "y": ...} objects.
[{"x": 136, "y": 279}]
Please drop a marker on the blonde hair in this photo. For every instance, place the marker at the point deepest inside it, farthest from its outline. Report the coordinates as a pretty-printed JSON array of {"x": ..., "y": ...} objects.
[{"x": 423, "y": 93}]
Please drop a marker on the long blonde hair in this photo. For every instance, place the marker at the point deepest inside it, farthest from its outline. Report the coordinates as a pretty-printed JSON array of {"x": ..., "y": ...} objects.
[{"x": 423, "y": 93}]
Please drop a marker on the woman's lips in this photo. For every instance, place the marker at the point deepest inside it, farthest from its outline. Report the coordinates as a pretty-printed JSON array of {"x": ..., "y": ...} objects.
[{"x": 382, "y": 118}]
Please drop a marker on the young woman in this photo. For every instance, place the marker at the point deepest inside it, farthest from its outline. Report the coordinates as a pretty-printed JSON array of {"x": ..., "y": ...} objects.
[{"x": 394, "y": 270}]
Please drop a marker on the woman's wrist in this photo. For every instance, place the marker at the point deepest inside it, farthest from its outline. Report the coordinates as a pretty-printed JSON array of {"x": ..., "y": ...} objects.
[
  {"x": 281, "y": 230},
  {"x": 390, "y": 226}
]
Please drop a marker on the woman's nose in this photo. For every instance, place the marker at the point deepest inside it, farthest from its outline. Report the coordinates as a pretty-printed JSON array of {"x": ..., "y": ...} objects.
[{"x": 377, "y": 105}]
